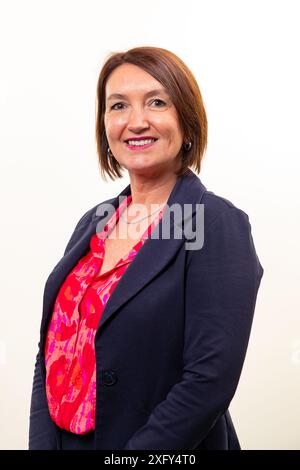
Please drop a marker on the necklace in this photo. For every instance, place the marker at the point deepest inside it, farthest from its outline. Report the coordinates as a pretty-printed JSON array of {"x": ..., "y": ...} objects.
[{"x": 137, "y": 221}]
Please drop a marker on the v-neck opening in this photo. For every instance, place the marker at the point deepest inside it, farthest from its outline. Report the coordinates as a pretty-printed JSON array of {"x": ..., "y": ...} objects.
[{"x": 125, "y": 259}]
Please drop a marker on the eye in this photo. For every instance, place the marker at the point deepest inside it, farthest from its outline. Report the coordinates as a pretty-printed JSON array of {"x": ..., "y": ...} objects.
[
  {"x": 160, "y": 101},
  {"x": 116, "y": 104},
  {"x": 119, "y": 106}
]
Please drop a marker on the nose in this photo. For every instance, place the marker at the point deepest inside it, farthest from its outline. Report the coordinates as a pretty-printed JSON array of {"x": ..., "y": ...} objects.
[{"x": 137, "y": 120}]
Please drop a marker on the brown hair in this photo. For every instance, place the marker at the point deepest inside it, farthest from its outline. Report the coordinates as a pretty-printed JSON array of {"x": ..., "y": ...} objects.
[{"x": 184, "y": 92}]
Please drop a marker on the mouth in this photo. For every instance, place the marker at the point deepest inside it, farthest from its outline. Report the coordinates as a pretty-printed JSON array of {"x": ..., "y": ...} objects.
[{"x": 139, "y": 144}]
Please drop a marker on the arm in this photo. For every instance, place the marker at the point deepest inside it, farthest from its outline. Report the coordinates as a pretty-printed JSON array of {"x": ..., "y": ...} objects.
[
  {"x": 222, "y": 280},
  {"x": 42, "y": 434}
]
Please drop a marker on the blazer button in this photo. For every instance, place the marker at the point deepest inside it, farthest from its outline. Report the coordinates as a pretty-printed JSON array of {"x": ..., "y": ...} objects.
[{"x": 109, "y": 377}]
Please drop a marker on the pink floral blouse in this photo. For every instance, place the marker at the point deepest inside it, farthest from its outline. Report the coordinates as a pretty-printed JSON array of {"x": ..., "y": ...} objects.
[{"x": 69, "y": 349}]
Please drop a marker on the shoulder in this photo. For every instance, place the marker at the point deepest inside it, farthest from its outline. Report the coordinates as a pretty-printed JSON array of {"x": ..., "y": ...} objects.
[
  {"x": 224, "y": 227},
  {"x": 90, "y": 214},
  {"x": 218, "y": 208},
  {"x": 226, "y": 239},
  {"x": 224, "y": 254},
  {"x": 83, "y": 223}
]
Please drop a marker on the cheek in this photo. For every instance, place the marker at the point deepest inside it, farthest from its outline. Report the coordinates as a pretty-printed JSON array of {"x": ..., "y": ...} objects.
[
  {"x": 177, "y": 133},
  {"x": 168, "y": 126},
  {"x": 173, "y": 135},
  {"x": 114, "y": 125}
]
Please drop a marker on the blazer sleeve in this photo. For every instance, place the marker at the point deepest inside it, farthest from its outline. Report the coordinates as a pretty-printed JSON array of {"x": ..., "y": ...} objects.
[
  {"x": 222, "y": 281},
  {"x": 42, "y": 434}
]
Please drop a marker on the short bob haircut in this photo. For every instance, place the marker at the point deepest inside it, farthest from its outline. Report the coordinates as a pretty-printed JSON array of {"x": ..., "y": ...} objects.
[{"x": 182, "y": 87}]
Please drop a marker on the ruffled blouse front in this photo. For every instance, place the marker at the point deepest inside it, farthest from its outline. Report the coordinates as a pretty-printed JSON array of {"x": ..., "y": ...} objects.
[{"x": 69, "y": 349}]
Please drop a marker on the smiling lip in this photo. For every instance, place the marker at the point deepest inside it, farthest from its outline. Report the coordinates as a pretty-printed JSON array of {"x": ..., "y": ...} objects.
[
  {"x": 147, "y": 137},
  {"x": 140, "y": 147}
]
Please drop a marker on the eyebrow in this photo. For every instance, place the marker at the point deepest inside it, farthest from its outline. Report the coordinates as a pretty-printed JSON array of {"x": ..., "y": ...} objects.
[{"x": 158, "y": 91}]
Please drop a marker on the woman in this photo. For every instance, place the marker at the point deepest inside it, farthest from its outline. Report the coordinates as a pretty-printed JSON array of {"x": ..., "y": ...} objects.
[{"x": 146, "y": 353}]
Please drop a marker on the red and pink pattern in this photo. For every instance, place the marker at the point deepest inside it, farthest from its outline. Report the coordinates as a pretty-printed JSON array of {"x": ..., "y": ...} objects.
[{"x": 69, "y": 349}]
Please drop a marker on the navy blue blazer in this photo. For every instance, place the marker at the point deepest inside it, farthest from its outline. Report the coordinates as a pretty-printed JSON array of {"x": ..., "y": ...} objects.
[{"x": 172, "y": 339}]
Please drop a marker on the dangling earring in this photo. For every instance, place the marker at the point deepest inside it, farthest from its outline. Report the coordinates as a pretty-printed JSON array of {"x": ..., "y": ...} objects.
[
  {"x": 187, "y": 147},
  {"x": 109, "y": 153}
]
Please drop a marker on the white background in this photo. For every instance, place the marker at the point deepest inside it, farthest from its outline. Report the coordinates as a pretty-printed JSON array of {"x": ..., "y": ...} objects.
[{"x": 245, "y": 56}]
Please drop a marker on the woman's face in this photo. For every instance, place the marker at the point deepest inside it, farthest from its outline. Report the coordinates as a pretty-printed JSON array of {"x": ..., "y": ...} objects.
[{"x": 142, "y": 109}]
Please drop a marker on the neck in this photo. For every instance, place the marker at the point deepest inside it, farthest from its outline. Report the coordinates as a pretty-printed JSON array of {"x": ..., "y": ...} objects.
[{"x": 155, "y": 190}]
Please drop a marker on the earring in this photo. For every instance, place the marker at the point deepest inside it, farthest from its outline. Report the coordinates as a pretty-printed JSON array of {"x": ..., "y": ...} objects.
[
  {"x": 109, "y": 153},
  {"x": 187, "y": 146}
]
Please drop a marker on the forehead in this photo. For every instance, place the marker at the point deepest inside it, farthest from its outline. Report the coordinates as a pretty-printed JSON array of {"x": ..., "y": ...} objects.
[{"x": 129, "y": 79}]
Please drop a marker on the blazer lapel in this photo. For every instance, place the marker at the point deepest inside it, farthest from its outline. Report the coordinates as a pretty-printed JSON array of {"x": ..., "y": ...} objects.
[
  {"x": 152, "y": 257},
  {"x": 157, "y": 251}
]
